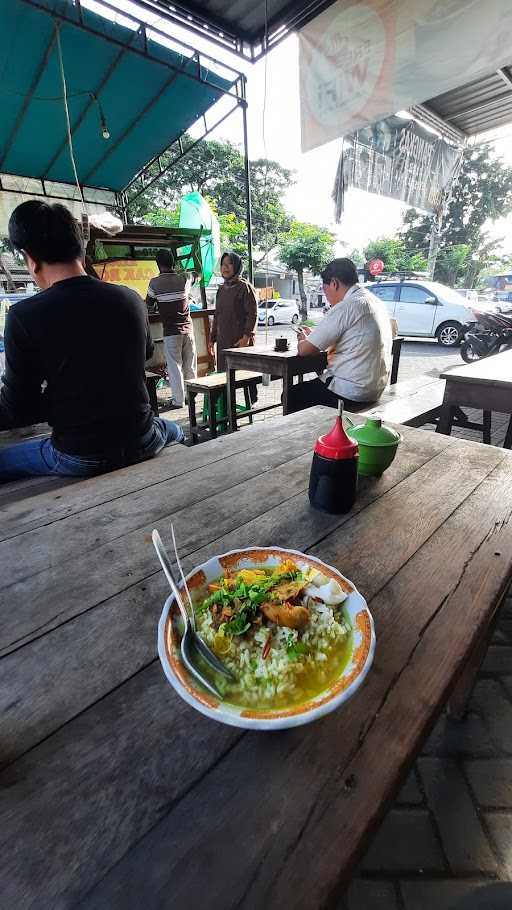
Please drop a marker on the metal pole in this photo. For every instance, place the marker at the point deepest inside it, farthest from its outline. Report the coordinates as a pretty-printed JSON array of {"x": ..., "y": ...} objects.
[
  {"x": 435, "y": 232},
  {"x": 243, "y": 102}
]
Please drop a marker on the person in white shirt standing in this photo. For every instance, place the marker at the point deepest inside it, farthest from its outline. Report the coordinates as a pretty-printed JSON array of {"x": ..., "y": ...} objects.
[{"x": 356, "y": 333}]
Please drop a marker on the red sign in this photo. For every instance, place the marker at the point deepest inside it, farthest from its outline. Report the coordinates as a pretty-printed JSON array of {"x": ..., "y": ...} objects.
[{"x": 375, "y": 266}]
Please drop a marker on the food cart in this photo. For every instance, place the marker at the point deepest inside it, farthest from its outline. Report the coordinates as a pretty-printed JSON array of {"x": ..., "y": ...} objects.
[{"x": 129, "y": 258}]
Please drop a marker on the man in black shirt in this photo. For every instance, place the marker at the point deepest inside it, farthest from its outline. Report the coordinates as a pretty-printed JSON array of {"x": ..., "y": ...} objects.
[{"x": 58, "y": 345}]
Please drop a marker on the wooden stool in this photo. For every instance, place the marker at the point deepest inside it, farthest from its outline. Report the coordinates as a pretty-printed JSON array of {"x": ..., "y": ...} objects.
[{"x": 213, "y": 387}]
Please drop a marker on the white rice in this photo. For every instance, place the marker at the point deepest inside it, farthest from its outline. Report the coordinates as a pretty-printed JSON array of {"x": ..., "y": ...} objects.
[{"x": 276, "y": 680}]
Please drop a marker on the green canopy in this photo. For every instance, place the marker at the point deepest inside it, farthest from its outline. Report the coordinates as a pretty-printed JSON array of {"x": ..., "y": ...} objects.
[
  {"x": 148, "y": 94},
  {"x": 196, "y": 213}
]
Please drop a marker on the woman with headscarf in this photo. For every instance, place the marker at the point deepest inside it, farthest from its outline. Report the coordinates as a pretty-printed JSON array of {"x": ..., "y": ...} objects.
[{"x": 236, "y": 310}]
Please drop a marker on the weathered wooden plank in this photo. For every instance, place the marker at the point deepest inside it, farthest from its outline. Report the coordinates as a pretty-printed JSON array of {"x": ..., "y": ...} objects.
[
  {"x": 97, "y": 788},
  {"x": 153, "y": 758},
  {"x": 104, "y": 572},
  {"x": 405, "y": 387},
  {"x": 43, "y": 601},
  {"x": 44, "y": 547},
  {"x": 299, "y": 806},
  {"x": 110, "y": 643},
  {"x": 410, "y": 407},
  {"x": 172, "y": 462},
  {"x": 495, "y": 371},
  {"x": 413, "y": 511},
  {"x": 17, "y": 491}
]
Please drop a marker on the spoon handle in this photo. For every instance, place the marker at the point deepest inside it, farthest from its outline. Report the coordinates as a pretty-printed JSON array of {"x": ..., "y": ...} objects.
[{"x": 166, "y": 566}]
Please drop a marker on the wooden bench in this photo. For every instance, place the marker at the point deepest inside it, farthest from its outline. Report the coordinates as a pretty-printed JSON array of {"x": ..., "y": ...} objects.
[
  {"x": 419, "y": 401},
  {"x": 412, "y": 403},
  {"x": 213, "y": 387}
]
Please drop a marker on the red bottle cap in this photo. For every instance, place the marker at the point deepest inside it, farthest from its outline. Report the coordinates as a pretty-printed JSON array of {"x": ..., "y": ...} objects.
[{"x": 336, "y": 444}]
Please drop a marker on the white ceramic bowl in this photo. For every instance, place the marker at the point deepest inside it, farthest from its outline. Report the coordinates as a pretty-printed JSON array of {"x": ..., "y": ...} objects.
[{"x": 355, "y": 611}]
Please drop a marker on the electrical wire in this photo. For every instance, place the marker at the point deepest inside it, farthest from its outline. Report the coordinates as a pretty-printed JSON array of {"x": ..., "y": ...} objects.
[{"x": 66, "y": 110}]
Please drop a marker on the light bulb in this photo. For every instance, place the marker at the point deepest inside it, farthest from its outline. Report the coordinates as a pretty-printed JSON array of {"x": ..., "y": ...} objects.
[{"x": 105, "y": 133}]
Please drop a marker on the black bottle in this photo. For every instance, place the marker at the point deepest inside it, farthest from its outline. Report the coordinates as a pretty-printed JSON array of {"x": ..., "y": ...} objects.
[{"x": 333, "y": 478}]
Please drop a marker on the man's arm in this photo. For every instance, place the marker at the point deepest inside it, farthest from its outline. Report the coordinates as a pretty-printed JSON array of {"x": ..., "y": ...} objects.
[
  {"x": 21, "y": 397},
  {"x": 324, "y": 335},
  {"x": 304, "y": 347},
  {"x": 151, "y": 301}
]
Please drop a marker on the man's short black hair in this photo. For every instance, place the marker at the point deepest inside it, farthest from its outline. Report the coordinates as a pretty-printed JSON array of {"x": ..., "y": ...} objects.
[
  {"x": 342, "y": 270},
  {"x": 48, "y": 233},
  {"x": 164, "y": 259}
]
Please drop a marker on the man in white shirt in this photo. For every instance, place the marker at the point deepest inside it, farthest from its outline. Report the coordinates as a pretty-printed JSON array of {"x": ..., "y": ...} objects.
[{"x": 356, "y": 332}]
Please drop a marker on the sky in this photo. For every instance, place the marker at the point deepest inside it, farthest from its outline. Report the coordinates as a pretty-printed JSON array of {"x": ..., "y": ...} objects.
[{"x": 274, "y": 132}]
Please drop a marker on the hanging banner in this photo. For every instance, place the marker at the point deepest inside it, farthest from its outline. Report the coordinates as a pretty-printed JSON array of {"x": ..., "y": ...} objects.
[
  {"x": 362, "y": 60},
  {"x": 399, "y": 159}
]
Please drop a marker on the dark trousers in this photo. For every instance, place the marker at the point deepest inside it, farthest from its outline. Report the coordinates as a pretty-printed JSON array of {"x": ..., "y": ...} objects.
[{"x": 308, "y": 394}]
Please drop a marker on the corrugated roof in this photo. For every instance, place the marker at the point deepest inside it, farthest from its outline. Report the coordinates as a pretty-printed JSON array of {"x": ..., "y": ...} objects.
[
  {"x": 245, "y": 26},
  {"x": 478, "y": 106},
  {"x": 148, "y": 93},
  {"x": 241, "y": 25}
]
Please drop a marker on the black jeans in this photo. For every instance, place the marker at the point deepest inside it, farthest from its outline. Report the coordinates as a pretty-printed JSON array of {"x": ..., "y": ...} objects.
[{"x": 314, "y": 391}]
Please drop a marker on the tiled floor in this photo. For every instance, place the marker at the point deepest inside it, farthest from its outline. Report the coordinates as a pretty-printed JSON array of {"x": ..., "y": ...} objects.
[{"x": 450, "y": 830}]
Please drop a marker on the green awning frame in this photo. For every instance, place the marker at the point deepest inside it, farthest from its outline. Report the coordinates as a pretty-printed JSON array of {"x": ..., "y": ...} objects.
[{"x": 146, "y": 92}]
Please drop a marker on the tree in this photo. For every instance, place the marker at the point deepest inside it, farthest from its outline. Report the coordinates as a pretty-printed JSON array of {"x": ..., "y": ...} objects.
[
  {"x": 216, "y": 169},
  {"x": 306, "y": 246},
  {"x": 357, "y": 257},
  {"x": 482, "y": 192},
  {"x": 163, "y": 217},
  {"x": 395, "y": 256},
  {"x": 233, "y": 234},
  {"x": 453, "y": 263}
]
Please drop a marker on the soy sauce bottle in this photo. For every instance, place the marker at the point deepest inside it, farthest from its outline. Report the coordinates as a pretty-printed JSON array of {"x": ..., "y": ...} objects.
[{"x": 333, "y": 478}]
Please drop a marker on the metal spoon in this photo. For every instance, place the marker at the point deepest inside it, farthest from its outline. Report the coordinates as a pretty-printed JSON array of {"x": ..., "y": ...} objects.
[{"x": 190, "y": 637}]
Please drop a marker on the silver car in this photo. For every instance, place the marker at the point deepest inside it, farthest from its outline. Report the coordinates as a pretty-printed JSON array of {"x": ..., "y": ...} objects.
[{"x": 425, "y": 309}]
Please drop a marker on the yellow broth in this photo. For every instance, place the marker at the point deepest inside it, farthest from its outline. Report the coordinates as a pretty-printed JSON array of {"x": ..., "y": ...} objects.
[{"x": 304, "y": 678}]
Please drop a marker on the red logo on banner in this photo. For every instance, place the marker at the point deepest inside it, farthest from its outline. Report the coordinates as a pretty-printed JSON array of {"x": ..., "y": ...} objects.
[{"x": 375, "y": 266}]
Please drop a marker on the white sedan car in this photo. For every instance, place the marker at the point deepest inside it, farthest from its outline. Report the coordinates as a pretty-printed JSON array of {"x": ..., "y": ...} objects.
[
  {"x": 425, "y": 309},
  {"x": 274, "y": 311}
]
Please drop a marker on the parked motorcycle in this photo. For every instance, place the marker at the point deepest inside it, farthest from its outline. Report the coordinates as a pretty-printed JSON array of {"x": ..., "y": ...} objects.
[{"x": 490, "y": 333}]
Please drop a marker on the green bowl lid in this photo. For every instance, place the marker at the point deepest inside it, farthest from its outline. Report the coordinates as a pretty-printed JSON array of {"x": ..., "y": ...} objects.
[{"x": 373, "y": 433}]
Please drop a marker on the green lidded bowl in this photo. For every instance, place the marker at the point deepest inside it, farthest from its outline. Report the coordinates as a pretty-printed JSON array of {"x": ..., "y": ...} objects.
[{"x": 377, "y": 445}]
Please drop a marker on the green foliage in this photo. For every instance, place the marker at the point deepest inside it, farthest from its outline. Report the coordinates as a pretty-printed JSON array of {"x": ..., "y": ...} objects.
[
  {"x": 216, "y": 170},
  {"x": 452, "y": 264},
  {"x": 483, "y": 192},
  {"x": 233, "y": 234},
  {"x": 394, "y": 255},
  {"x": 162, "y": 217},
  {"x": 306, "y": 246}
]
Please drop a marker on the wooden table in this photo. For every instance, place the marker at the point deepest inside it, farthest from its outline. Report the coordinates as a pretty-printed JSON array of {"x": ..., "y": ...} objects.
[
  {"x": 115, "y": 793},
  {"x": 486, "y": 385},
  {"x": 263, "y": 359}
]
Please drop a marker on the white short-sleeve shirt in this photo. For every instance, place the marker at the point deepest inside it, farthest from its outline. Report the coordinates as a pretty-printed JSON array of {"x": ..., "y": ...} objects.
[{"x": 359, "y": 329}]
